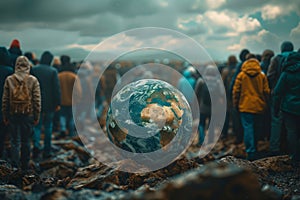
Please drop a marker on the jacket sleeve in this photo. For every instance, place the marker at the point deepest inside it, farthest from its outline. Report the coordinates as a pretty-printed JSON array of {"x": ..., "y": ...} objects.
[
  {"x": 266, "y": 88},
  {"x": 279, "y": 92},
  {"x": 237, "y": 90},
  {"x": 5, "y": 100},
  {"x": 57, "y": 92},
  {"x": 272, "y": 73},
  {"x": 36, "y": 99}
]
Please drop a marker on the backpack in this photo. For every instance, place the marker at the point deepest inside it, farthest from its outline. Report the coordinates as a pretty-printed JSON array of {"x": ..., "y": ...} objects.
[{"x": 20, "y": 99}]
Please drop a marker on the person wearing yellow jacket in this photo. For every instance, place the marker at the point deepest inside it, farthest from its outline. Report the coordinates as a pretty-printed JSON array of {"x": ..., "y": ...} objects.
[{"x": 250, "y": 96}]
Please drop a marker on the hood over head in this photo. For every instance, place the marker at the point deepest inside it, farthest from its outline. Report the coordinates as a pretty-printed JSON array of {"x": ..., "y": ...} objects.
[
  {"x": 243, "y": 54},
  {"x": 46, "y": 58},
  {"x": 211, "y": 70},
  {"x": 15, "y": 44},
  {"x": 187, "y": 73},
  {"x": 286, "y": 46},
  {"x": 22, "y": 67},
  {"x": 267, "y": 55},
  {"x": 251, "y": 67}
]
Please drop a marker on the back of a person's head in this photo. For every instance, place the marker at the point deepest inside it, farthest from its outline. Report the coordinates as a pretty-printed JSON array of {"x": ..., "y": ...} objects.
[
  {"x": 4, "y": 56},
  {"x": 250, "y": 56},
  {"x": 211, "y": 70},
  {"x": 15, "y": 44},
  {"x": 56, "y": 61},
  {"x": 232, "y": 61},
  {"x": 267, "y": 55},
  {"x": 243, "y": 54},
  {"x": 286, "y": 46},
  {"x": 29, "y": 55},
  {"x": 46, "y": 58},
  {"x": 258, "y": 57},
  {"x": 65, "y": 60}
]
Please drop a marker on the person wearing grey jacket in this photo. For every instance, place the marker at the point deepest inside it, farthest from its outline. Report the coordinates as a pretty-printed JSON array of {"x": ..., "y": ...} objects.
[{"x": 21, "y": 123}]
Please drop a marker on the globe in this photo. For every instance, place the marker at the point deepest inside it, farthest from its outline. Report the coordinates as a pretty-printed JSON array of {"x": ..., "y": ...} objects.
[{"x": 146, "y": 115}]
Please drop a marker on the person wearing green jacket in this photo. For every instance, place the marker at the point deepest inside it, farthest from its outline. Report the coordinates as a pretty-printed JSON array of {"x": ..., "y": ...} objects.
[{"x": 287, "y": 100}]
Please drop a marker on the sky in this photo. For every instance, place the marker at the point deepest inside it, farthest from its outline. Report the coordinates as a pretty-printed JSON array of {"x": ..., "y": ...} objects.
[{"x": 222, "y": 27}]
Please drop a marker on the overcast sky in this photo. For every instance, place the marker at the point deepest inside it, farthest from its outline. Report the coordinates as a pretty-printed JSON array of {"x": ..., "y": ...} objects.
[{"x": 223, "y": 27}]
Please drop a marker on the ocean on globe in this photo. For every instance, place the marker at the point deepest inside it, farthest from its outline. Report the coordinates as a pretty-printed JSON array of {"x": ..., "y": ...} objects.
[{"x": 147, "y": 115}]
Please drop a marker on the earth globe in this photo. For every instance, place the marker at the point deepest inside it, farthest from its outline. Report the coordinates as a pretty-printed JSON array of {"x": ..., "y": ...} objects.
[{"x": 148, "y": 115}]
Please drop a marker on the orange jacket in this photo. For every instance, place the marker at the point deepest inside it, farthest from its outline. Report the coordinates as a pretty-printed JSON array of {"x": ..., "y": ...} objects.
[
  {"x": 251, "y": 89},
  {"x": 67, "y": 84}
]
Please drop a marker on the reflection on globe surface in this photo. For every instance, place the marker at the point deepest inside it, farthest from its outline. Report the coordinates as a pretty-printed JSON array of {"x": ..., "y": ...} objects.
[{"x": 146, "y": 115}]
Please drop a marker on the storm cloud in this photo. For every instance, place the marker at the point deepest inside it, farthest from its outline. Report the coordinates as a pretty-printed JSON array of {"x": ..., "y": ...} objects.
[{"x": 223, "y": 27}]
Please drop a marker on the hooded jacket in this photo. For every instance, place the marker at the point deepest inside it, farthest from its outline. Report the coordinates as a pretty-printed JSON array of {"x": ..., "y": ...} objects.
[
  {"x": 49, "y": 83},
  {"x": 251, "y": 90},
  {"x": 287, "y": 90},
  {"x": 275, "y": 67},
  {"x": 209, "y": 80},
  {"x": 22, "y": 69},
  {"x": 5, "y": 71}
]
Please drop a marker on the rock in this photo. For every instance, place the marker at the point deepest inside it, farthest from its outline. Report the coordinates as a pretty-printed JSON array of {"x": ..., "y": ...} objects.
[
  {"x": 5, "y": 169},
  {"x": 55, "y": 194},
  {"x": 11, "y": 192},
  {"x": 272, "y": 192},
  {"x": 62, "y": 165},
  {"x": 212, "y": 181},
  {"x": 82, "y": 153},
  {"x": 251, "y": 166},
  {"x": 275, "y": 164},
  {"x": 295, "y": 197}
]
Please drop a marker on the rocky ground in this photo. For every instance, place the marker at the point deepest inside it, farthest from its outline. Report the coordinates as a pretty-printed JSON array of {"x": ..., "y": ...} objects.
[{"x": 223, "y": 174}]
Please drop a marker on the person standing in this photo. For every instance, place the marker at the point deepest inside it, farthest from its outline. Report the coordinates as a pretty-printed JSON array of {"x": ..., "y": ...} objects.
[
  {"x": 250, "y": 94},
  {"x": 50, "y": 92},
  {"x": 273, "y": 75},
  {"x": 68, "y": 82},
  {"x": 287, "y": 100},
  {"x": 206, "y": 87},
  {"x": 5, "y": 71},
  {"x": 236, "y": 120},
  {"x": 227, "y": 74},
  {"x": 21, "y": 107}
]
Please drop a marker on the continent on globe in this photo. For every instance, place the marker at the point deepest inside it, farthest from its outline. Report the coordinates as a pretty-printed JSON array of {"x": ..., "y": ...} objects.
[{"x": 145, "y": 116}]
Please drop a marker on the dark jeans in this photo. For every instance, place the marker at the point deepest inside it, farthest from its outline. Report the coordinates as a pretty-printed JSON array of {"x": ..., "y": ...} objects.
[
  {"x": 202, "y": 128},
  {"x": 3, "y": 136},
  {"x": 21, "y": 127},
  {"x": 277, "y": 127},
  {"x": 67, "y": 120},
  {"x": 46, "y": 119},
  {"x": 292, "y": 123},
  {"x": 252, "y": 128}
]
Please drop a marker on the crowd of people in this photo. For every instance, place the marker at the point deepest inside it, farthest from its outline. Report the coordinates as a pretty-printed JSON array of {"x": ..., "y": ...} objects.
[
  {"x": 262, "y": 92},
  {"x": 263, "y": 99},
  {"x": 36, "y": 97}
]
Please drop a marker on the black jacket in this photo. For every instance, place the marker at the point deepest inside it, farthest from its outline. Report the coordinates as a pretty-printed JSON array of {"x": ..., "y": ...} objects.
[{"x": 49, "y": 84}]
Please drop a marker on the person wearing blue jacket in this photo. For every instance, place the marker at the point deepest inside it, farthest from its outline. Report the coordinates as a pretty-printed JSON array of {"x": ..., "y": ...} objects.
[
  {"x": 5, "y": 71},
  {"x": 51, "y": 99}
]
